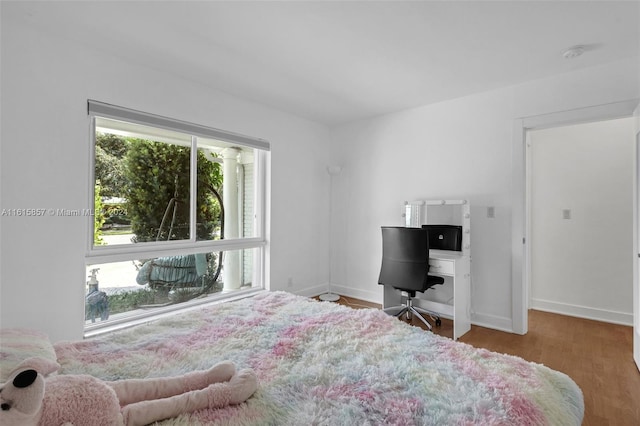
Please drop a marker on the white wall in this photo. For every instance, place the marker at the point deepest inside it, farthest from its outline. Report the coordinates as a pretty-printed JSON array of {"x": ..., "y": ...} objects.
[
  {"x": 456, "y": 149},
  {"x": 581, "y": 265},
  {"x": 45, "y": 85}
]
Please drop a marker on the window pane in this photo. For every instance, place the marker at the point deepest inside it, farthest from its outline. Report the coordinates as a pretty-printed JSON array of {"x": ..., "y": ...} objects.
[
  {"x": 192, "y": 184},
  {"x": 121, "y": 289},
  {"x": 226, "y": 188},
  {"x": 142, "y": 184}
]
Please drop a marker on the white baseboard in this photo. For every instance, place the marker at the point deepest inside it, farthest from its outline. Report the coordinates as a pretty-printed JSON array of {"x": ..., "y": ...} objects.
[
  {"x": 492, "y": 321},
  {"x": 309, "y": 291},
  {"x": 367, "y": 296},
  {"x": 586, "y": 312}
]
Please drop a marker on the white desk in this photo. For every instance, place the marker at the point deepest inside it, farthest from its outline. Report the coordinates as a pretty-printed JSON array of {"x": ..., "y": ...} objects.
[{"x": 451, "y": 300}]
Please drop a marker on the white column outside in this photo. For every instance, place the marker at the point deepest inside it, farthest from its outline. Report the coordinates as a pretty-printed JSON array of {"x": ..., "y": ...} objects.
[{"x": 232, "y": 261}]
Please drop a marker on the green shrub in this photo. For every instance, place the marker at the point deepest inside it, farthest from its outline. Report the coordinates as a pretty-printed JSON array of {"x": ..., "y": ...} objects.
[
  {"x": 98, "y": 216},
  {"x": 158, "y": 183}
]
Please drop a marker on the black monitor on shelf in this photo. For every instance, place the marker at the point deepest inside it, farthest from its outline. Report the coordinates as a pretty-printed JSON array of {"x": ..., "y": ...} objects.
[{"x": 444, "y": 237}]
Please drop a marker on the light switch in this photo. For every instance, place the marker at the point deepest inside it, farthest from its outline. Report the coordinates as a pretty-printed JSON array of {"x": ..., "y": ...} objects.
[
  {"x": 491, "y": 212},
  {"x": 566, "y": 213}
]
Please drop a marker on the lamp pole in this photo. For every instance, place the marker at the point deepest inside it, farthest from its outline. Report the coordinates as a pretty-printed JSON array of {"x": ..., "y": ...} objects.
[{"x": 329, "y": 296}]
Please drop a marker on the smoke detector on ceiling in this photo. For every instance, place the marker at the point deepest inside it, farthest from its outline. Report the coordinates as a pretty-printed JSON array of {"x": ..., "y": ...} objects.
[{"x": 573, "y": 52}]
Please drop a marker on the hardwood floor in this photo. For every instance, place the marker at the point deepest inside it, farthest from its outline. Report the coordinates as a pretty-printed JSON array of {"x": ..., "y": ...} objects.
[{"x": 596, "y": 355}]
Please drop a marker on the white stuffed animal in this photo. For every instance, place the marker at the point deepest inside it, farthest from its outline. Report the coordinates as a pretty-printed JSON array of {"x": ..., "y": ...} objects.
[{"x": 32, "y": 397}]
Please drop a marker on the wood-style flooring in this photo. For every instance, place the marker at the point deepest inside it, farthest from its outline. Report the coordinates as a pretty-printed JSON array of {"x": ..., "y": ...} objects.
[{"x": 598, "y": 356}]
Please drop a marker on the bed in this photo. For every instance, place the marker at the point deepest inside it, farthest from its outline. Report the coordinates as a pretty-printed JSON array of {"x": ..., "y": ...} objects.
[{"x": 320, "y": 363}]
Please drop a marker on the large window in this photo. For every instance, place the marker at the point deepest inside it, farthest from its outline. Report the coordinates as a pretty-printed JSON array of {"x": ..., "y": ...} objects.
[{"x": 179, "y": 215}]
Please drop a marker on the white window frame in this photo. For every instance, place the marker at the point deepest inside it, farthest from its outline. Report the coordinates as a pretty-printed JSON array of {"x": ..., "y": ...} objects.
[{"x": 106, "y": 254}]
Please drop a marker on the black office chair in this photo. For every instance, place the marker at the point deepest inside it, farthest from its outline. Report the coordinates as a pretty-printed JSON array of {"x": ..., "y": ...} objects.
[{"x": 405, "y": 267}]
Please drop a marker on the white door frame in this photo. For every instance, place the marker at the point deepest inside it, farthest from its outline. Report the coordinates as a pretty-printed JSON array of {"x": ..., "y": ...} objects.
[
  {"x": 520, "y": 225},
  {"x": 636, "y": 240}
]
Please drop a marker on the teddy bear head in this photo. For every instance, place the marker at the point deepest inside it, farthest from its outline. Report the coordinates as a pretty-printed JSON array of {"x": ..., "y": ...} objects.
[{"x": 22, "y": 394}]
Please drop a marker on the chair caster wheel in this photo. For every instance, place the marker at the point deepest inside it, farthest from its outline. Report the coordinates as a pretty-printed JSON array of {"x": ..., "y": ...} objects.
[{"x": 438, "y": 322}]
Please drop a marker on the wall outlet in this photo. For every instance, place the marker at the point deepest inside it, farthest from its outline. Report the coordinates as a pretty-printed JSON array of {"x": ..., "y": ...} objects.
[
  {"x": 566, "y": 213},
  {"x": 290, "y": 282},
  {"x": 491, "y": 212}
]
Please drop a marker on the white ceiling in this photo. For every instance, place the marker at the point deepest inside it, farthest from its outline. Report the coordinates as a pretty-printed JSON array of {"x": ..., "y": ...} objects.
[{"x": 335, "y": 62}]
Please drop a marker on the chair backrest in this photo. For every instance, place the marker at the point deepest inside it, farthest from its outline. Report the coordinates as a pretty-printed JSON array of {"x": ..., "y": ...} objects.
[{"x": 405, "y": 258}]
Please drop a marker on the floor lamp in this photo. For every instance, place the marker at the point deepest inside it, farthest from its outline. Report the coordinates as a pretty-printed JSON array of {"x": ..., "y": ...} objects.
[{"x": 332, "y": 170}]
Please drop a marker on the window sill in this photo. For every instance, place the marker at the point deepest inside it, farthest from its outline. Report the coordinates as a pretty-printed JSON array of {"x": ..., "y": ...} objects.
[{"x": 142, "y": 316}]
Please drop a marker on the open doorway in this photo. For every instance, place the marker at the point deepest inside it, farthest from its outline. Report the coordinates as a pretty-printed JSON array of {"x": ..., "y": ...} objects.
[
  {"x": 580, "y": 217},
  {"x": 520, "y": 246}
]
